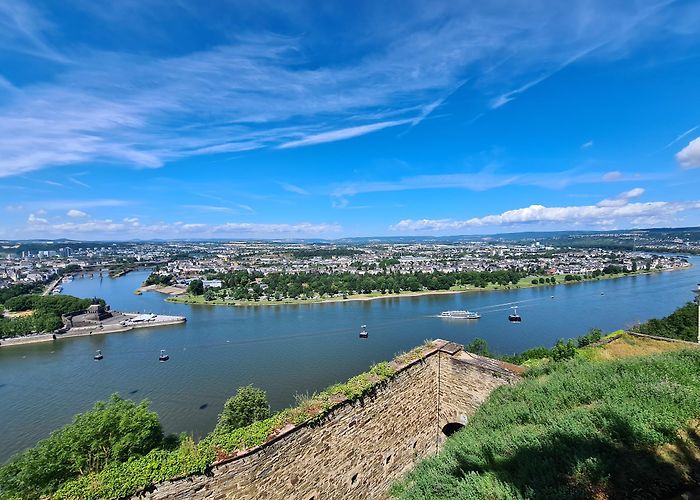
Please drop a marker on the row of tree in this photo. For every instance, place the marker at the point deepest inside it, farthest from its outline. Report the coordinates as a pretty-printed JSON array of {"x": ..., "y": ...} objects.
[{"x": 245, "y": 285}]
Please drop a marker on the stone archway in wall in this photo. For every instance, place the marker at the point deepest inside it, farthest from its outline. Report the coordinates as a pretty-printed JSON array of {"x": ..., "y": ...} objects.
[{"x": 451, "y": 427}]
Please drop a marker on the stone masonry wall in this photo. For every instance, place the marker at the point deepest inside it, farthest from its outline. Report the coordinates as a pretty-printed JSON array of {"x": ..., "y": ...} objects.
[
  {"x": 466, "y": 380},
  {"x": 360, "y": 448}
]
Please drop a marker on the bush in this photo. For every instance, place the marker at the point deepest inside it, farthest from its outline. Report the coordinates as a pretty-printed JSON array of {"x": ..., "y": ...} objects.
[
  {"x": 563, "y": 350},
  {"x": 113, "y": 431},
  {"x": 247, "y": 406}
]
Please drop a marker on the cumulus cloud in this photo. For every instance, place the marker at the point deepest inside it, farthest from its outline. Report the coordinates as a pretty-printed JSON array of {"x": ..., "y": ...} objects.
[
  {"x": 608, "y": 212},
  {"x": 76, "y": 214},
  {"x": 622, "y": 198},
  {"x": 689, "y": 156},
  {"x": 34, "y": 219}
]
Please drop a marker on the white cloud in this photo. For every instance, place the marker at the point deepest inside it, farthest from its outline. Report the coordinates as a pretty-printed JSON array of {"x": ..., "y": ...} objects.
[
  {"x": 132, "y": 227},
  {"x": 689, "y": 156},
  {"x": 622, "y": 198},
  {"x": 293, "y": 188},
  {"x": 606, "y": 213},
  {"x": 209, "y": 208},
  {"x": 483, "y": 180},
  {"x": 342, "y": 134},
  {"x": 76, "y": 214},
  {"x": 587, "y": 145},
  {"x": 35, "y": 219},
  {"x": 615, "y": 175},
  {"x": 264, "y": 91},
  {"x": 14, "y": 208}
]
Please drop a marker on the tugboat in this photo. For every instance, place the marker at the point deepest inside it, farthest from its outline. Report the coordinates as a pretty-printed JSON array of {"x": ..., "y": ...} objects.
[
  {"x": 163, "y": 357},
  {"x": 514, "y": 317},
  {"x": 363, "y": 332},
  {"x": 460, "y": 314},
  {"x": 98, "y": 355}
]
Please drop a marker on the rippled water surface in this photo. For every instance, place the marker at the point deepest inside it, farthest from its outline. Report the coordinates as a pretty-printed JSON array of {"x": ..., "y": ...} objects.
[{"x": 287, "y": 350}]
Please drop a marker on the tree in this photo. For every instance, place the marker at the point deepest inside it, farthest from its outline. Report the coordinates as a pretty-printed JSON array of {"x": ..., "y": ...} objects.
[
  {"x": 196, "y": 287},
  {"x": 113, "y": 431},
  {"x": 247, "y": 406},
  {"x": 478, "y": 346}
]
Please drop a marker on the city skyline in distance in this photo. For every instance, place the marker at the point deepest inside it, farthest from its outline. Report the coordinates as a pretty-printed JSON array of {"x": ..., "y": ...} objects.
[{"x": 151, "y": 120}]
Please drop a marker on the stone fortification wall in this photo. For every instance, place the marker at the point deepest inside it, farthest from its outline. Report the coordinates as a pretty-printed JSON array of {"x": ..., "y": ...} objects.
[
  {"x": 466, "y": 380},
  {"x": 360, "y": 448}
]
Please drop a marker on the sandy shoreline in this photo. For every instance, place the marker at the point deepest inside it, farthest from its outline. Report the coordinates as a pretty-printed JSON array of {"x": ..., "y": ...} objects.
[{"x": 167, "y": 290}]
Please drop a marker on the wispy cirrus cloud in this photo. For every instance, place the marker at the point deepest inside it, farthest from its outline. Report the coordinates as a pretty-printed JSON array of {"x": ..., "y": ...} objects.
[
  {"x": 293, "y": 188},
  {"x": 615, "y": 212},
  {"x": 488, "y": 179},
  {"x": 144, "y": 109},
  {"x": 344, "y": 133},
  {"x": 133, "y": 227}
]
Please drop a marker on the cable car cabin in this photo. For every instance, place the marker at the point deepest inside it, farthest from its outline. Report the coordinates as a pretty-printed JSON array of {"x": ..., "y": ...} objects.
[
  {"x": 363, "y": 332},
  {"x": 514, "y": 317}
]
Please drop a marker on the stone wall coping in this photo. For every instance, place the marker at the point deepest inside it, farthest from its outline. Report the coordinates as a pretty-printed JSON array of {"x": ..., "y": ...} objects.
[{"x": 436, "y": 346}]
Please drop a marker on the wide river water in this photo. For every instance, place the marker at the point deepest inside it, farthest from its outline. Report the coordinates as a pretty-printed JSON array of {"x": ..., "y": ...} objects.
[{"x": 287, "y": 350}]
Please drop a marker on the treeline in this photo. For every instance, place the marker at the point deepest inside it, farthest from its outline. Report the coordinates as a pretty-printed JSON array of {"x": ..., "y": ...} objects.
[
  {"x": 20, "y": 289},
  {"x": 45, "y": 314},
  {"x": 244, "y": 285},
  {"x": 682, "y": 324}
]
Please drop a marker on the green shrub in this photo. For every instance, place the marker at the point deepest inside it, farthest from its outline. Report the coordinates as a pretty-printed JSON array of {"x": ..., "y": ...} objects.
[
  {"x": 247, "y": 406},
  {"x": 113, "y": 431},
  {"x": 682, "y": 324}
]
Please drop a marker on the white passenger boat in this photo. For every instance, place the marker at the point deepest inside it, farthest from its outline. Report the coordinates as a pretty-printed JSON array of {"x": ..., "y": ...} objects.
[{"x": 460, "y": 314}]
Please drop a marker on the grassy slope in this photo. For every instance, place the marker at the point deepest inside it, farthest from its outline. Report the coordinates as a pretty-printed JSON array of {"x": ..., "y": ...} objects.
[{"x": 626, "y": 428}]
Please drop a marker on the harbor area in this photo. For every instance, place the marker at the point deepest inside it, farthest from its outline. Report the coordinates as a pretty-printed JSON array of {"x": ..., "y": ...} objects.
[{"x": 97, "y": 320}]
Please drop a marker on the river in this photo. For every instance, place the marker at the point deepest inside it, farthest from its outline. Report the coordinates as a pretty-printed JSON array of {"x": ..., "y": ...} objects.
[{"x": 287, "y": 350}]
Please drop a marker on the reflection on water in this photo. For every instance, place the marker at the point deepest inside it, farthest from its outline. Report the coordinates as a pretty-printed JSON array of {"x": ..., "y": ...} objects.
[{"x": 286, "y": 349}]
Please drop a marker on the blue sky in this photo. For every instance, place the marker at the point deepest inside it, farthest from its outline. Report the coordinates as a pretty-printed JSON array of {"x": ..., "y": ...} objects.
[{"x": 148, "y": 118}]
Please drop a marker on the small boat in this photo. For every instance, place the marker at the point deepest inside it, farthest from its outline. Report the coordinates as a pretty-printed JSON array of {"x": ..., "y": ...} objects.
[
  {"x": 602, "y": 293},
  {"x": 460, "y": 314},
  {"x": 514, "y": 317},
  {"x": 98, "y": 355},
  {"x": 363, "y": 332},
  {"x": 163, "y": 356}
]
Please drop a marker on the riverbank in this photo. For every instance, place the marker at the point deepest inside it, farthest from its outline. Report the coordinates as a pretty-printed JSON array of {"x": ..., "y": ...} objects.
[
  {"x": 185, "y": 298},
  {"x": 134, "y": 322}
]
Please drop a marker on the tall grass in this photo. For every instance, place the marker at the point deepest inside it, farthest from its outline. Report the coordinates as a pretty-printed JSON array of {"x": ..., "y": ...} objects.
[{"x": 582, "y": 430}]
